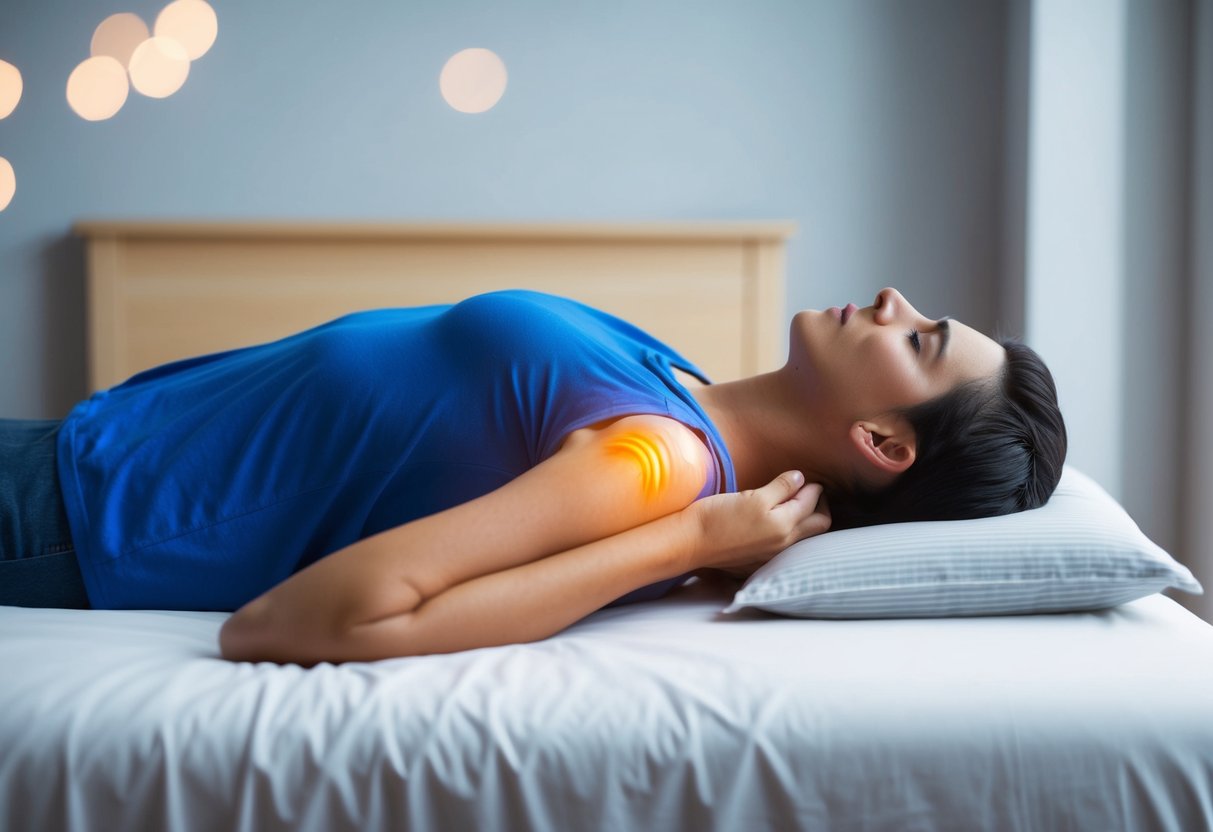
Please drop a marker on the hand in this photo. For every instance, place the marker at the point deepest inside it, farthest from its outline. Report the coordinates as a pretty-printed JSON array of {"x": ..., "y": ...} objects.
[{"x": 743, "y": 530}]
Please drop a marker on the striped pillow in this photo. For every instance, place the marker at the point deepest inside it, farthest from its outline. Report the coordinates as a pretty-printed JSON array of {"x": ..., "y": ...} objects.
[{"x": 1080, "y": 551}]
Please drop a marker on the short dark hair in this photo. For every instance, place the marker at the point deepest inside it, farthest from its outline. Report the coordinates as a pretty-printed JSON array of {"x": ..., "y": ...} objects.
[{"x": 983, "y": 449}]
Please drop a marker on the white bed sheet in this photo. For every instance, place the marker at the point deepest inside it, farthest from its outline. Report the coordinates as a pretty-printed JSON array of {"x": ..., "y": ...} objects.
[{"x": 666, "y": 715}]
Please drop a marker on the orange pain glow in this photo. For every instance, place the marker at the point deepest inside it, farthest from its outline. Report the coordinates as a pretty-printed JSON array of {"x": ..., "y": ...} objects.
[{"x": 650, "y": 458}]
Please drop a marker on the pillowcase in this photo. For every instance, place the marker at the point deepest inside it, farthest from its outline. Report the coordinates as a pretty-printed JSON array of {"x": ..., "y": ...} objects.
[{"x": 1079, "y": 551}]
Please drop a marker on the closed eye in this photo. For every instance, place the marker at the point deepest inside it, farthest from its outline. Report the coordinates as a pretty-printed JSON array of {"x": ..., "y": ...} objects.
[{"x": 915, "y": 341}]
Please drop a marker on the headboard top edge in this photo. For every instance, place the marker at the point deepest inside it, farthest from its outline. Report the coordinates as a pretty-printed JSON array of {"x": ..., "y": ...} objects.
[{"x": 689, "y": 230}]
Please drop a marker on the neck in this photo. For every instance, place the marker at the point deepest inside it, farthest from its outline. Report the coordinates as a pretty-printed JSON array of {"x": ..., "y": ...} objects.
[{"x": 766, "y": 428}]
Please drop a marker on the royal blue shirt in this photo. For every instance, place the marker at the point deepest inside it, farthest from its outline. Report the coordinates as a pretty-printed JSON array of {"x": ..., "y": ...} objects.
[{"x": 202, "y": 483}]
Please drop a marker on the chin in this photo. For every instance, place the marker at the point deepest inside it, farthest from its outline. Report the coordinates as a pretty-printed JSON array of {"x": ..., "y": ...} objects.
[
  {"x": 803, "y": 322},
  {"x": 809, "y": 326},
  {"x": 798, "y": 336}
]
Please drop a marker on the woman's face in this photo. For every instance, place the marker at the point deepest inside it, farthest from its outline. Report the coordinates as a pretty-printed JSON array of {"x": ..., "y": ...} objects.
[{"x": 861, "y": 363}]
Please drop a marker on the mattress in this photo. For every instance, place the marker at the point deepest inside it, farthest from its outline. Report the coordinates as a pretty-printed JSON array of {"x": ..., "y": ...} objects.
[{"x": 660, "y": 715}]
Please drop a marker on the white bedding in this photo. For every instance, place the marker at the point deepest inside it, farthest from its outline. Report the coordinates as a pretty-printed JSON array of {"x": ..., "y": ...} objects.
[{"x": 665, "y": 715}]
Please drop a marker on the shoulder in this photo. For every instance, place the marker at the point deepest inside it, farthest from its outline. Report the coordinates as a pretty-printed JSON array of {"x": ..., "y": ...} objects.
[
  {"x": 666, "y": 458},
  {"x": 675, "y": 438}
]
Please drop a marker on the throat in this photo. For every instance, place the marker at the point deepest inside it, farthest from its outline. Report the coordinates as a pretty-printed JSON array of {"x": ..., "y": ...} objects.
[{"x": 766, "y": 430}]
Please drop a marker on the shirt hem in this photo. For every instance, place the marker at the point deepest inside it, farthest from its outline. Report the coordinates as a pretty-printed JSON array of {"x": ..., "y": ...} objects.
[{"x": 75, "y": 508}]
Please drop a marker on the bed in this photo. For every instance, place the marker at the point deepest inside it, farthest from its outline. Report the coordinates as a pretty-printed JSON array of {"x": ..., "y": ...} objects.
[
  {"x": 651, "y": 716},
  {"x": 662, "y": 715}
]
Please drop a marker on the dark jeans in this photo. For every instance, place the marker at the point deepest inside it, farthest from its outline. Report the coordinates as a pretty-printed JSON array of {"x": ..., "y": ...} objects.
[{"x": 38, "y": 566}]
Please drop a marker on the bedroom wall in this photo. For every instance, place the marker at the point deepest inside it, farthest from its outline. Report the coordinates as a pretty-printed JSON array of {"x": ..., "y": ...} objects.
[
  {"x": 1158, "y": 105},
  {"x": 1074, "y": 264},
  {"x": 1197, "y": 453},
  {"x": 1105, "y": 233},
  {"x": 876, "y": 126}
]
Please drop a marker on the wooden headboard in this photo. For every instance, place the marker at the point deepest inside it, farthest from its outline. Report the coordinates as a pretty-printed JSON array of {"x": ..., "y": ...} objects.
[{"x": 159, "y": 291}]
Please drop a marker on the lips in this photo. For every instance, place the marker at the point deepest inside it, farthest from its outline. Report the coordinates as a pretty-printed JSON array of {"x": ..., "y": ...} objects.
[{"x": 848, "y": 311}]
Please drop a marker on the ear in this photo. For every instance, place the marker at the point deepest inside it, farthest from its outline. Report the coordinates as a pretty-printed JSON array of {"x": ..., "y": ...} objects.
[{"x": 887, "y": 449}]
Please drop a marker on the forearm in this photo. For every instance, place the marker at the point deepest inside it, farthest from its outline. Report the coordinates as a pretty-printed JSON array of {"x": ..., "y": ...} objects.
[
  {"x": 521, "y": 604},
  {"x": 581, "y": 494}
]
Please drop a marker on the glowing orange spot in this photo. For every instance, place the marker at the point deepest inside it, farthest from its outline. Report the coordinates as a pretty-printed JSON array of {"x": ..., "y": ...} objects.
[{"x": 650, "y": 457}]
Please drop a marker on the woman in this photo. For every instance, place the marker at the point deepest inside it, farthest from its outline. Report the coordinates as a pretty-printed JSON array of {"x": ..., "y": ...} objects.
[{"x": 425, "y": 480}]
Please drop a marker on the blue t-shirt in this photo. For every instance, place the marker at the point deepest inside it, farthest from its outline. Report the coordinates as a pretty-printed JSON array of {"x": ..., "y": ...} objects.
[{"x": 202, "y": 483}]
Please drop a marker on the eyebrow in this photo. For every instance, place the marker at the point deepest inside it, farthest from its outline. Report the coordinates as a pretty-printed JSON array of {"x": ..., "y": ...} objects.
[{"x": 945, "y": 332}]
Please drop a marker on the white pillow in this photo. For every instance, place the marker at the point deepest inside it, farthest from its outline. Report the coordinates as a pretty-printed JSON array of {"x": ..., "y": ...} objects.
[{"x": 1080, "y": 551}]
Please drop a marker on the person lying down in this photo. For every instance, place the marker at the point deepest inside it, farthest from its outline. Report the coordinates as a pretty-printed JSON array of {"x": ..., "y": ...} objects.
[{"x": 422, "y": 480}]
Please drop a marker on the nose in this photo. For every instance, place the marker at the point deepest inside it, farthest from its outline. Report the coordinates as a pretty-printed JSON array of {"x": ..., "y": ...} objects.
[{"x": 891, "y": 305}]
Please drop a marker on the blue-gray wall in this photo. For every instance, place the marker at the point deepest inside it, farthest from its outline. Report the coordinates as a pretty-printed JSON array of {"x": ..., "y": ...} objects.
[{"x": 877, "y": 126}]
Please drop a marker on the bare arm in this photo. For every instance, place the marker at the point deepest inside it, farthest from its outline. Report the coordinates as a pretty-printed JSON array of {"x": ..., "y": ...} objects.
[
  {"x": 519, "y": 604},
  {"x": 519, "y": 564},
  {"x": 538, "y": 599},
  {"x": 588, "y": 491}
]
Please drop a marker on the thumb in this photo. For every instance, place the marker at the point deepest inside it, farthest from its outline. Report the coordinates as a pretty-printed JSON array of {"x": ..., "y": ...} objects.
[{"x": 784, "y": 486}]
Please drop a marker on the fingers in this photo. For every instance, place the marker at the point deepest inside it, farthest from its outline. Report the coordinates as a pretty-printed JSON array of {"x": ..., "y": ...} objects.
[
  {"x": 789, "y": 487},
  {"x": 815, "y": 523},
  {"x": 818, "y": 520},
  {"x": 807, "y": 509},
  {"x": 823, "y": 508},
  {"x": 783, "y": 486},
  {"x": 806, "y": 502},
  {"x": 809, "y": 497}
]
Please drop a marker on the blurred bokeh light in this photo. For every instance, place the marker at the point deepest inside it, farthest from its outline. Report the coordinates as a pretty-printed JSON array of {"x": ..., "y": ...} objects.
[
  {"x": 473, "y": 80},
  {"x": 97, "y": 88},
  {"x": 118, "y": 35},
  {"x": 10, "y": 88},
  {"x": 8, "y": 183},
  {"x": 192, "y": 23},
  {"x": 159, "y": 66}
]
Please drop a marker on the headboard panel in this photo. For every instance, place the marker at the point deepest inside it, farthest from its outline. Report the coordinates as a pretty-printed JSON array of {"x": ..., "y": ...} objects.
[{"x": 159, "y": 291}]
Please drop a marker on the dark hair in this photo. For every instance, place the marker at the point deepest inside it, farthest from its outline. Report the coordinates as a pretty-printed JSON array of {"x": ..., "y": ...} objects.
[{"x": 984, "y": 448}]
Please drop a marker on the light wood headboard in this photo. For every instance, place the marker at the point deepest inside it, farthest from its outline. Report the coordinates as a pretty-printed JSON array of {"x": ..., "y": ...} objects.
[{"x": 159, "y": 291}]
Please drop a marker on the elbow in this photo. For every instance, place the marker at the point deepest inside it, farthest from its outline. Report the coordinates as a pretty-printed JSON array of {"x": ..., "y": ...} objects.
[
  {"x": 251, "y": 635},
  {"x": 262, "y": 632},
  {"x": 239, "y": 639},
  {"x": 268, "y": 629}
]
